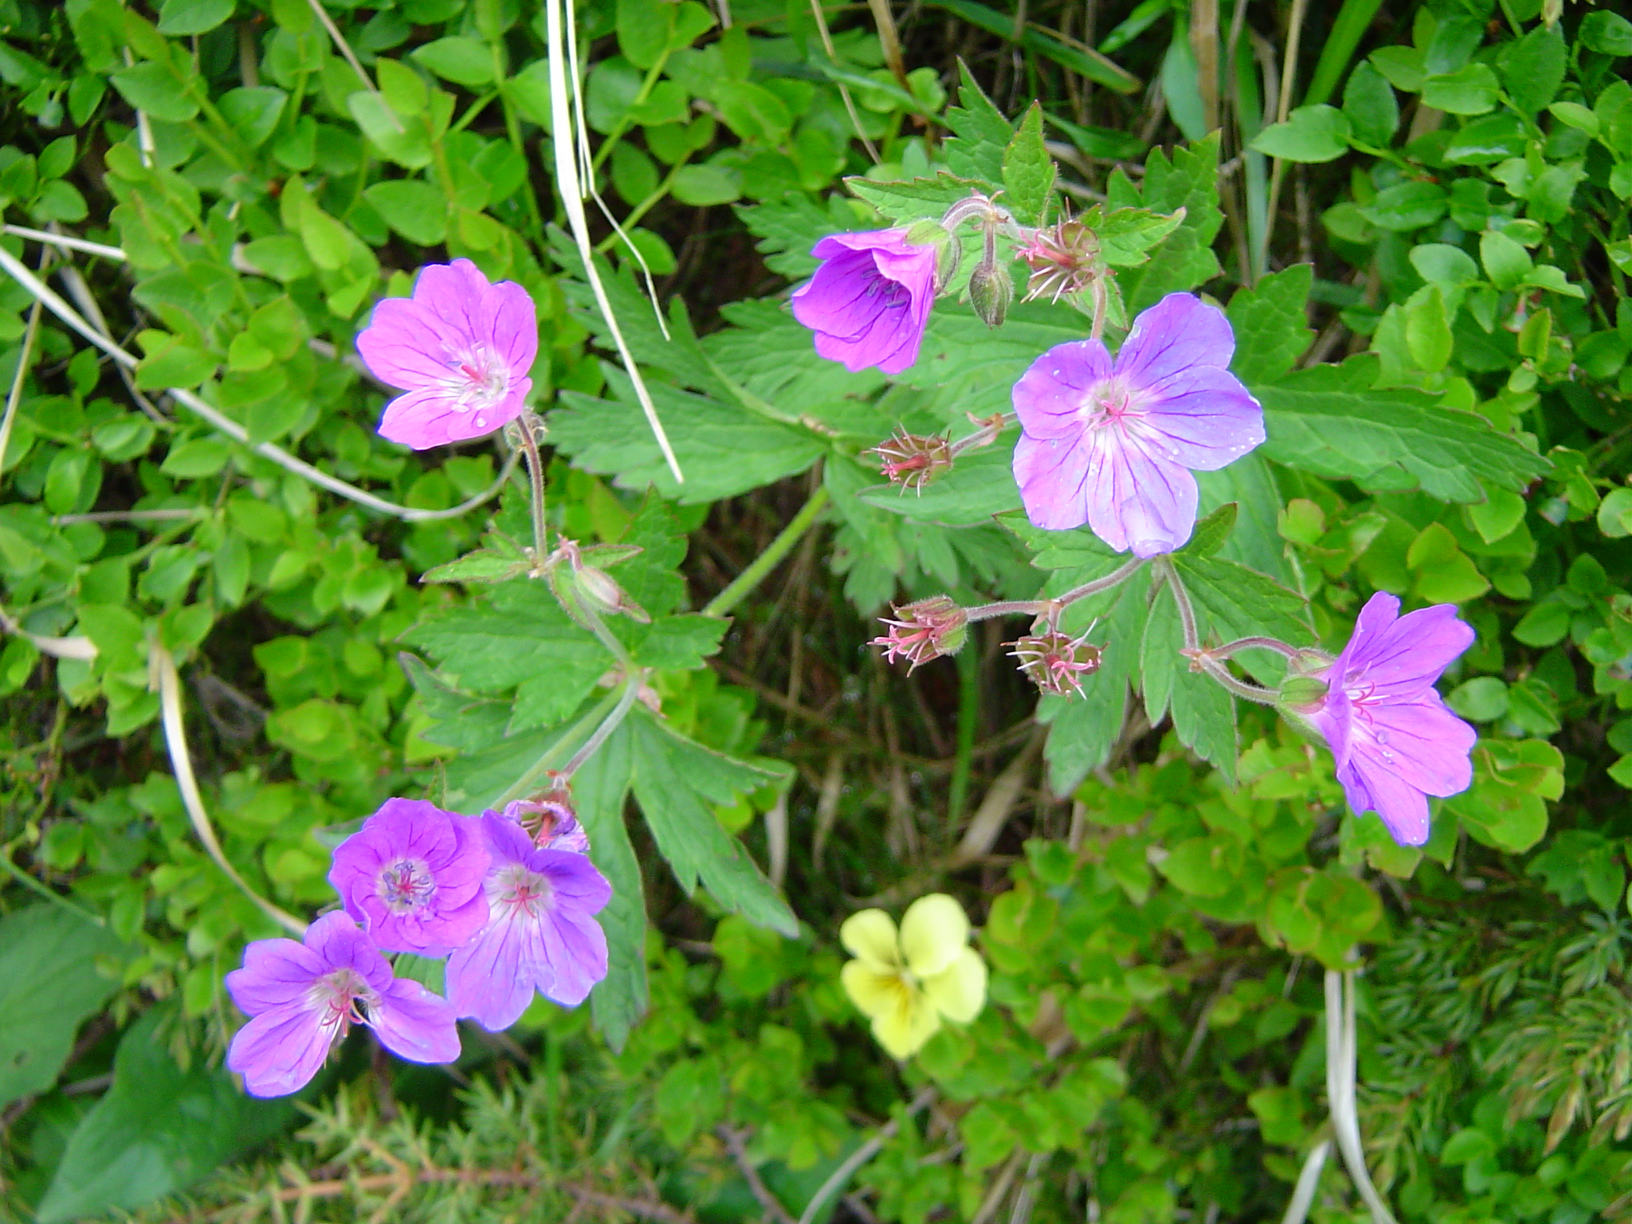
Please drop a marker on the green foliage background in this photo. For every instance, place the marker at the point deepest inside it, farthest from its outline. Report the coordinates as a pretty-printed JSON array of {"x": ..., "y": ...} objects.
[{"x": 1425, "y": 262}]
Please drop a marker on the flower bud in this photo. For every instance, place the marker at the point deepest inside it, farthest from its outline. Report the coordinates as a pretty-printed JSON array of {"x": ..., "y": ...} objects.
[
  {"x": 913, "y": 461},
  {"x": 925, "y": 630},
  {"x": 590, "y": 586},
  {"x": 1301, "y": 693},
  {"x": 1056, "y": 663},
  {"x": 550, "y": 819},
  {"x": 991, "y": 289}
]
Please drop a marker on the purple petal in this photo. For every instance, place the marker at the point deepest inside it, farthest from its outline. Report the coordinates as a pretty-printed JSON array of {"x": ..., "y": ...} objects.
[
  {"x": 576, "y": 881},
  {"x": 1206, "y": 418},
  {"x": 1176, "y": 333},
  {"x": 1404, "y": 809},
  {"x": 276, "y": 973},
  {"x": 512, "y": 327},
  {"x": 834, "y": 245},
  {"x": 340, "y": 944},
  {"x": 407, "y": 343},
  {"x": 1421, "y": 742},
  {"x": 454, "y": 291},
  {"x": 279, "y": 1051},
  {"x": 487, "y": 979},
  {"x": 1400, "y": 657},
  {"x": 1051, "y": 473},
  {"x": 576, "y": 951},
  {"x": 507, "y": 841},
  {"x": 1135, "y": 501},
  {"x": 869, "y": 301},
  {"x": 415, "y": 1024},
  {"x": 1050, "y": 396},
  {"x": 432, "y": 416}
]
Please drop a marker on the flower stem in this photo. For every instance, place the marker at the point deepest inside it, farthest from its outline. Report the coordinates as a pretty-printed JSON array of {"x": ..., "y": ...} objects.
[
  {"x": 609, "y": 724},
  {"x": 1241, "y": 688},
  {"x": 1043, "y": 607},
  {"x": 1187, "y": 613},
  {"x": 984, "y": 436},
  {"x": 1102, "y": 306},
  {"x": 768, "y": 560},
  {"x": 968, "y": 712},
  {"x": 535, "y": 472},
  {"x": 1231, "y": 649},
  {"x": 596, "y": 717}
]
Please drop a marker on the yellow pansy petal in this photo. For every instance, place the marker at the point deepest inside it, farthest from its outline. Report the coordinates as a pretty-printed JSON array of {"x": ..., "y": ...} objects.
[
  {"x": 869, "y": 936},
  {"x": 933, "y": 932},
  {"x": 872, "y": 992},
  {"x": 958, "y": 992},
  {"x": 903, "y": 1029}
]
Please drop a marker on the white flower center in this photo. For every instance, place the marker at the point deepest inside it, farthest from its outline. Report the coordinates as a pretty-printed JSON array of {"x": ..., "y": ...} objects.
[
  {"x": 1112, "y": 404},
  {"x": 477, "y": 380},
  {"x": 336, "y": 998},
  {"x": 406, "y": 885},
  {"x": 519, "y": 891}
]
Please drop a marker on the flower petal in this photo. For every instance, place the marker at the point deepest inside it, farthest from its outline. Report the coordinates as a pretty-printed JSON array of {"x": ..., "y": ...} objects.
[
  {"x": 415, "y": 1024},
  {"x": 934, "y": 931},
  {"x": 1400, "y": 657},
  {"x": 280, "y": 1050},
  {"x": 1136, "y": 501},
  {"x": 872, "y": 992},
  {"x": 510, "y": 325},
  {"x": 575, "y": 947},
  {"x": 1176, "y": 333},
  {"x": 1053, "y": 475},
  {"x": 869, "y": 936},
  {"x": 342, "y": 945},
  {"x": 407, "y": 343},
  {"x": 1403, "y": 808},
  {"x": 958, "y": 992},
  {"x": 1420, "y": 742},
  {"x": 1049, "y": 397},
  {"x": 487, "y": 980},
  {"x": 276, "y": 973},
  {"x": 1206, "y": 418},
  {"x": 432, "y": 416},
  {"x": 903, "y": 1028}
]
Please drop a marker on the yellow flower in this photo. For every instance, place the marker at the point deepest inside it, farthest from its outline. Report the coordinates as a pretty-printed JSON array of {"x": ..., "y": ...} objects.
[{"x": 904, "y": 984}]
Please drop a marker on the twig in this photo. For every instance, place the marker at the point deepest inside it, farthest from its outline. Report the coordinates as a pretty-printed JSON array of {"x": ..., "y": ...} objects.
[
  {"x": 994, "y": 809},
  {"x": 739, "y": 1153},
  {"x": 31, "y": 331},
  {"x": 1341, "y": 1057}
]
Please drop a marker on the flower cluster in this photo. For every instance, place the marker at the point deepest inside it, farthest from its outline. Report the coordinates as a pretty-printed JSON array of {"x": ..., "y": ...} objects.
[{"x": 509, "y": 898}]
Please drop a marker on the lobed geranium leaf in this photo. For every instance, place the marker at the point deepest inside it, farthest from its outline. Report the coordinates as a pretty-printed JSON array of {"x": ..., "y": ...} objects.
[
  {"x": 676, "y": 782},
  {"x": 1271, "y": 324},
  {"x": 1334, "y": 421}
]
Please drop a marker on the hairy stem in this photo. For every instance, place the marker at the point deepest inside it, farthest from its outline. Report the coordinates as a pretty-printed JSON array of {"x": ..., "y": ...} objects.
[
  {"x": 609, "y": 724},
  {"x": 535, "y": 472},
  {"x": 1043, "y": 607}
]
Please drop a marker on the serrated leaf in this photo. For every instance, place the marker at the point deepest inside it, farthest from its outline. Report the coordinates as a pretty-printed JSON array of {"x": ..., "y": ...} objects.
[
  {"x": 1126, "y": 235},
  {"x": 479, "y": 566},
  {"x": 1271, "y": 324},
  {"x": 1189, "y": 181},
  {"x": 1028, "y": 170},
  {"x": 1203, "y": 712},
  {"x": 1334, "y": 421},
  {"x": 915, "y": 199},
  {"x": 980, "y": 133},
  {"x": 676, "y": 780}
]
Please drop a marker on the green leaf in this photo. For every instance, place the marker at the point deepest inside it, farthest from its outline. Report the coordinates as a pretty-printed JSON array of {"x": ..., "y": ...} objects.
[
  {"x": 1606, "y": 32},
  {"x": 464, "y": 61},
  {"x": 1428, "y": 329},
  {"x": 186, "y": 17},
  {"x": 253, "y": 112},
  {"x": 1028, "y": 170},
  {"x": 676, "y": 782},
  {"x": 980, "y": 133},
  {"x": 1368, "y": 101},
  {"x": 599, "y": 789},
  {"x": 1406, "y": 206},
  {"x": 1203, "y": 713},
  {"x": 1127, "y": 235},
  {"x": 1188, "y": 181},
  {"x": 1334, "y": 421},
  {"x": 753, "y": 112},
  {"x": 1271, "y": 324},
  {"x": 152, "y": 88},
  {"x": 516, "y": 638},
  {"x": 703, "y": 186},
  {"x": 915, "y": 199},
  {"x": 979, "y": 486},
  {"x": 1506, "y": 262},
  {"x": 158, "y": 1130},
  {"x": 48, "y": 985},
  {"x": 1470, "y": 90},
  {"x": 415, "y": 209},
  {"x": 1482, "y": 699},
  {"x": 1310, "y": 134},
  {"x": 1533, "y": 67}
]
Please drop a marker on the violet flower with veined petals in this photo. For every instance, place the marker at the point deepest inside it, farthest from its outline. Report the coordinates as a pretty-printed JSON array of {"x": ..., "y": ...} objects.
[
  {"x": 1112, "y": 443},
  {"x": 869, "y": 301},
  {"x": 1394, "y": 740},
  {"x": 412, "y": 875},
  {"x": 301, "y": 998},
  {"x": 541, "y": 932},
  {"x": 460, "y": 347}
]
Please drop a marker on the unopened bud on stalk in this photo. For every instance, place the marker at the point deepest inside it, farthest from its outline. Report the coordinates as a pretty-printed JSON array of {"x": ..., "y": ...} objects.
[
  {"x": 925, "y": 630},
  {"x": 1055, "y": 662},
  {"x": 589, "y": 585},
  {"x": 991, "y": 289},
  {"x": 913, "y": 461}
]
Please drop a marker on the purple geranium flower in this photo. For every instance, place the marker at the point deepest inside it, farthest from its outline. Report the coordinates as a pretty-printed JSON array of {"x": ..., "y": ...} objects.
[
  {"x": 460, "y": 347},
  {"x": 541, "y": 932},
  {"x": 869, "y": 301},
  {"x": 303, "y": 997},
  {"x": 413, "y": 876},
  {"x": 1394, "y": 740},
  {"x": 1112, "y": 443}
]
